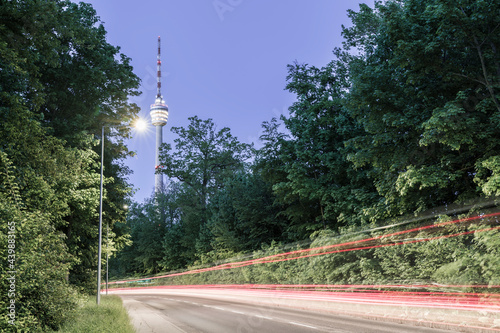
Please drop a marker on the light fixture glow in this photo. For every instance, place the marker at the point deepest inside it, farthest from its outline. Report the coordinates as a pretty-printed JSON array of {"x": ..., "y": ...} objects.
[{"x": 140, "y": 124}]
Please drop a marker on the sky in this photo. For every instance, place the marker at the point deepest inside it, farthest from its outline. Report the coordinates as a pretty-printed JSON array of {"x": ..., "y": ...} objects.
[{"x": 221, "y": 59}]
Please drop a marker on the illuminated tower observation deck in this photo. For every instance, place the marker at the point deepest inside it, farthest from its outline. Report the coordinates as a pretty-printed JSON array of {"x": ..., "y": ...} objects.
[{"x": 159, "y": 118}]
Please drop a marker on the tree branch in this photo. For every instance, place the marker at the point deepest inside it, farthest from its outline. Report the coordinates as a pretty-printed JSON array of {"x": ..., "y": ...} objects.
[{"x": 485, "y": 73}]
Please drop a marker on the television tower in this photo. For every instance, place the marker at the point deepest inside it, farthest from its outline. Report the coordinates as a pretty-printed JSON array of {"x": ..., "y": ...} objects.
[{"x": 159, "y": 118}]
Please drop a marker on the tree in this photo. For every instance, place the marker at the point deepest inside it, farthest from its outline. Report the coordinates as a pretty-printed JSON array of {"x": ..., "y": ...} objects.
[
  {"x": 429, "y": 128},
  {"x": 149, "y": 224},
  {"x": 50, "y": 51},
  {"x": 244, "y": 216},
  {"x": 30, "y": 207},
  {"x": 202, "y": 160},
  {"x": 315, "y": 161}
]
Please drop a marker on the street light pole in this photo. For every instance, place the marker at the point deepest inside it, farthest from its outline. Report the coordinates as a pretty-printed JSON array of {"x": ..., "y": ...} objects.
[
  {"x": 140, "y": 125},
  {"x": 100, "y": 224},
  {"x": 107, "y": 255}
]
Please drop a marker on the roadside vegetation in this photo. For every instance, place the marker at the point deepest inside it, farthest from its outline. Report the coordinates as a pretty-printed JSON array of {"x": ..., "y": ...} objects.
[
  {"x": 108, "y": 317},
  {"x": 50, "y": 135},
  {"x": 429, "y": 259}
]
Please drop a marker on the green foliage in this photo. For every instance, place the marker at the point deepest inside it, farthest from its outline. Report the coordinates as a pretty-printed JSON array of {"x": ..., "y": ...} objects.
[
  {"x": 49, "y": 116},
  {"x": 40, "y": 261},
  {"x": 318, "y": 174},
  {"x": 174, "y": 253},
  {"x": 425, "y": 101},
  {"x": 109, "y": 316},
  {"x": 489, "y": 185},
  {"x": 459, "y": 260},
  {"x": 203, "y": 158},
  {"x": 475, "y": 261},
  {"x": 243, "y": 216},
  {"x": 148, "y": 224}
]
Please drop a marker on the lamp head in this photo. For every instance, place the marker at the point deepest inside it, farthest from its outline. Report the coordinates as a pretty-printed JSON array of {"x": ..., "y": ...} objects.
[{"x": 140, "y": 124}]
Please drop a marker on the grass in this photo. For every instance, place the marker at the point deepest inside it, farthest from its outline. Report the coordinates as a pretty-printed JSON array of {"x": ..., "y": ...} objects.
[{"x": 109, "y": 317}]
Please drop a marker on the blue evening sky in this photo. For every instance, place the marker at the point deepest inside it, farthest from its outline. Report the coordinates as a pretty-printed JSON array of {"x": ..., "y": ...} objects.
[{"x": 221, "y": 59}]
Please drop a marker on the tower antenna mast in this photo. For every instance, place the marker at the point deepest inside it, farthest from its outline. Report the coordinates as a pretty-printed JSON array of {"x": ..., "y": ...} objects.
[
  {"x": 159, "y": 118},
  {"x": 158, "y": 69}
]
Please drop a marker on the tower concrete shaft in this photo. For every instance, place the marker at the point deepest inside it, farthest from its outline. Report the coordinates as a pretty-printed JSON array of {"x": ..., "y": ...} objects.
[
  {"x": 159, "y": 118},
  {"x": 158, "y": 176}
]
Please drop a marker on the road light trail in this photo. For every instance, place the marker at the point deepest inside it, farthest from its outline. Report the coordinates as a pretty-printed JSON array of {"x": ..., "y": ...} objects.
[
  {"x": 189, "y": 312},
  {"x": 272, "y": 311},
  {"x": 357, "y": 245}
]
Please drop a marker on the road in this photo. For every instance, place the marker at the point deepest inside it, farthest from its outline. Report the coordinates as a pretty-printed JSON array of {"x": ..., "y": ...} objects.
[{"x": 188, "y": 313}]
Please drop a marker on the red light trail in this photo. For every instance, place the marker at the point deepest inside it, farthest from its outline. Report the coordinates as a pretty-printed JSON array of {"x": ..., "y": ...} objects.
[
  {"x": 471, "y": 310},
  {"x": 445, "y": 300},
  {"x": 363, "y": 244}
]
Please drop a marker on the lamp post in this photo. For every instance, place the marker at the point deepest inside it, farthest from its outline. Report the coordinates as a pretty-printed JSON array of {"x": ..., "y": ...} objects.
[
  {"x": 140, "y": 125},
  {"x": 100, "y": 223},
  {"x": 107, "y": 255}
]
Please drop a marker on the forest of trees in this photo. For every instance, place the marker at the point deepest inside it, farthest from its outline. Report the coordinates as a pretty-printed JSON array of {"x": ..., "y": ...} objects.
[
  {"x": 50, "y": 132},
  {"x": 405, "y": 118}
]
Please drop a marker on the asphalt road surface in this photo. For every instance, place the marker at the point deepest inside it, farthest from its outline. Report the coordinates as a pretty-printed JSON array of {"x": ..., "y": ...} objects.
[{"x": 185, "y": 313}]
